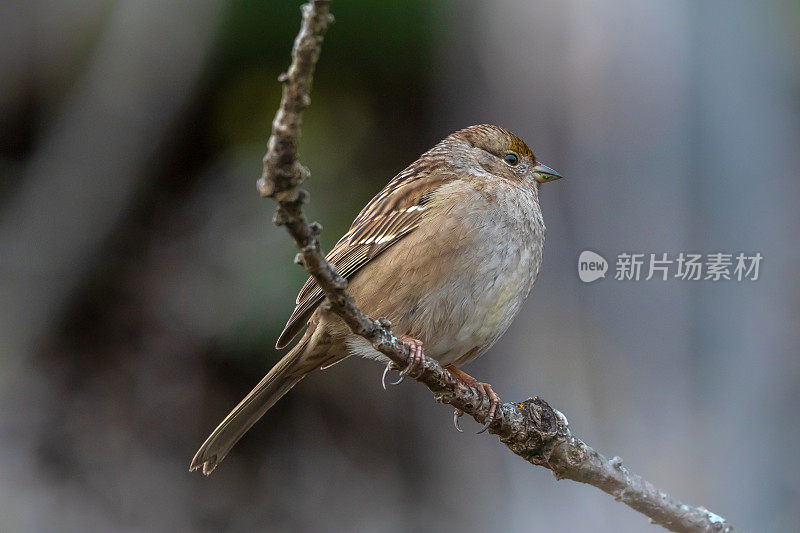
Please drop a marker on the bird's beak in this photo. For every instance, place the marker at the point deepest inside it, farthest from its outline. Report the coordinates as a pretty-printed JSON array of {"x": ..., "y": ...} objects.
[{"x": 543, "y": 174}]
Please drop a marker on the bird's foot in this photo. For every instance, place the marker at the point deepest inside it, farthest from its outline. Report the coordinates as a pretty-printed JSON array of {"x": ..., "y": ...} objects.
[
  {"x": 484, "y": 391},
  {"x": 414, "y": 362}
]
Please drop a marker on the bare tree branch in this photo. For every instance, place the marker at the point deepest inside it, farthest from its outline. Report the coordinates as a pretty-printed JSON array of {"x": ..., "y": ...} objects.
[{"x": 531, "y": 429}]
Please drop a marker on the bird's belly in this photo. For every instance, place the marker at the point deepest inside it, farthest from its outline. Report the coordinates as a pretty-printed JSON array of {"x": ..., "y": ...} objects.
[{"x": 470, "y": 312}]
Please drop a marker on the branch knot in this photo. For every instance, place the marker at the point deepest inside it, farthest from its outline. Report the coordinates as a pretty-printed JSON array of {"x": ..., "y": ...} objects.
[{"x": 538, "y": 431}]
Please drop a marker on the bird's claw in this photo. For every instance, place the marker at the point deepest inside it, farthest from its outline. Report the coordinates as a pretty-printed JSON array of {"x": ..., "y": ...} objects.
[
  {"x": 457, "y": 413},
  {"x": 383, "y": 377}
]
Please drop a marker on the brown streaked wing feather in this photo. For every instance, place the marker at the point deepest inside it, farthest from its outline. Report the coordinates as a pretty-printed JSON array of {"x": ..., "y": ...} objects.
[{"x": 391, "y": 215}]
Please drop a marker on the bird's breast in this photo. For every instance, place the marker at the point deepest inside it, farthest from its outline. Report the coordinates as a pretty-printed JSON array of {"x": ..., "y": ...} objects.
[{"x": 487, "y": 258}]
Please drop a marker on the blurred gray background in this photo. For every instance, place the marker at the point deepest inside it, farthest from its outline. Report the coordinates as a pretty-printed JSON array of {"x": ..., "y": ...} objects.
[{"x": 142, "y": 284}]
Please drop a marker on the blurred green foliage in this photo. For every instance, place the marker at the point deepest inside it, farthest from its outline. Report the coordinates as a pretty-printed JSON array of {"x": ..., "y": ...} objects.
[
  {"x": 380, "y": 50},
  {"x": 369, "y": 118},
  {"x": 383, "y": 43}
]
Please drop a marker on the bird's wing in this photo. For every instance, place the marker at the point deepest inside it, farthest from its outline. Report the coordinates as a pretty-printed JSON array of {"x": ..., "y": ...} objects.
[{"x": 391, "y": 215}]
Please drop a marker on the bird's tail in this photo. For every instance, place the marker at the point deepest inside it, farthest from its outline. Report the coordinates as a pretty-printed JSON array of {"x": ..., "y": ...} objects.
[{"x": 269, "y": 390}]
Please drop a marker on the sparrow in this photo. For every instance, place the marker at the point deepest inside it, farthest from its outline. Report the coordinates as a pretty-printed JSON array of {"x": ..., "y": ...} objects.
[{"x": 447, "y": 251}]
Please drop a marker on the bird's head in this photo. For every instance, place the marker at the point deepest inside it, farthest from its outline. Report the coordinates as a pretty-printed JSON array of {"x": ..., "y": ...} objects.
[{"x": 503, "y": 154}]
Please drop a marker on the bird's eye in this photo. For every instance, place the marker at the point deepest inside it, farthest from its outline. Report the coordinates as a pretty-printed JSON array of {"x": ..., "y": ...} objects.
[{"x": 511, "y": 159}]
